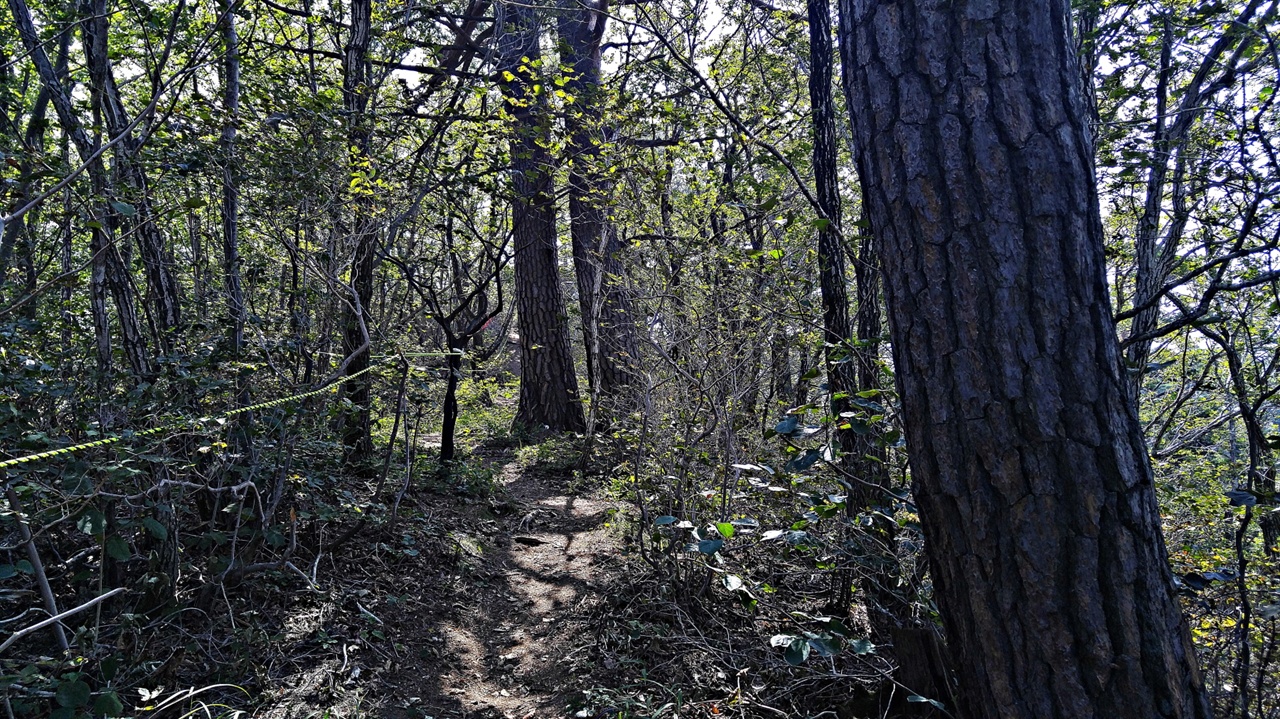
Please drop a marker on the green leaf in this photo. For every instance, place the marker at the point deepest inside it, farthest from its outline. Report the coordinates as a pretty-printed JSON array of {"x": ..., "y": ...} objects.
[
  {"x": 797, "y": 651},
  {"x": 108, "y": 704},
  {"x": 664, "y": 520},
  {"x": 195, "y": 203},
  {"x": 7, "y": 570},
  {"x": 72, "y": 694},
  {"x": 862, "y": 646},
  {"x": 788, "y": 425},
  {"x": 118, "y": 549},
  {"x": 156, "y": 529},
  {"x": 821, "y": 224},
  {"x": 124, "y": 208},
  {"x": 92, "y": 522},
  {"x": 725, "y": 529},
  {"x": 825, "y": 646},
  {"x": 710, "y": 546}
]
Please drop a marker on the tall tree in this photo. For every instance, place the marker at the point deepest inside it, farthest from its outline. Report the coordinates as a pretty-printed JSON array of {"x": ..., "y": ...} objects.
[
  {"x": 607, "y": 330},
  {"x": 837, "y": 329},
  {"x": 1158, "y": 244},
  {"x": 138, "y": 213},
  {"x": 108, "y": 273},
  {"x": 357, "y": 81},
  {"x": 1029, "y": 466},
  {"x": 231, "y": 211},
  {"x": 548, "y": 383}
]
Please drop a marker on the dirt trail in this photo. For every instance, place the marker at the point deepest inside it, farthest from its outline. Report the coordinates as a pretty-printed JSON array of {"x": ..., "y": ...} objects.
[
  {"x": 470, "y": 609},
  {"x": 508, "y": 641}
]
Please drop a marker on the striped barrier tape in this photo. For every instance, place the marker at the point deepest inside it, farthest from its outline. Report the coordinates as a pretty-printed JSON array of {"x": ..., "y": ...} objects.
[{"x": 181, "y": 425}]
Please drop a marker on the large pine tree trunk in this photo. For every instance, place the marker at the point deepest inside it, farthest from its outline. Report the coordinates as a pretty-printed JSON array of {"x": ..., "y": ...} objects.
[
  {"x": 1030, "y": 469},
  {"x": 548, "y": 383}
]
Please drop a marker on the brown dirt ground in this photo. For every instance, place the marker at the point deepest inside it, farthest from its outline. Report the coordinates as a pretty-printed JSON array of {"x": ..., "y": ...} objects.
[{"x": 484, "y": 618}]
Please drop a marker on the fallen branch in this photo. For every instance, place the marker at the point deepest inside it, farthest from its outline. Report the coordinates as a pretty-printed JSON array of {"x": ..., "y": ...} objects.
[{"x": 58, "y": 617}]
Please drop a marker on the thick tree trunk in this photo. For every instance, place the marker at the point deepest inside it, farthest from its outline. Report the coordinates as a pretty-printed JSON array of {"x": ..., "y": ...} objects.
[
  {"x": 607, "y": 331},
  {"x": 548, "y": 383},
  {"x": 1030, "y": 468},
  {"x": 356, "y": 316}
]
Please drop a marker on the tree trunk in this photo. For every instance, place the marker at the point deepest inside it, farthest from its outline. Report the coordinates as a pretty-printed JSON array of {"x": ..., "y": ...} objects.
[
  {"x": 837, "y": 330},
  {"x": 1030, "y": 469},
  {"x": 231, "y": 218},
  {"x": 1156, "y": 256},
  {"x": 162, "y": 286},
  {"x": 449, "y": 423},
  {"x": 356, "y": 319},
  {"x": 606, "y": 327},
  {"x": 548, "y": 383},
  {"x": 108, "y": 271}
]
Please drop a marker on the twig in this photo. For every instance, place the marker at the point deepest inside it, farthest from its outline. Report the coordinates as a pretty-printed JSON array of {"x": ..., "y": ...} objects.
[
  {"x": 37, "y": 567},
  {"x": 58, "y": 617}
]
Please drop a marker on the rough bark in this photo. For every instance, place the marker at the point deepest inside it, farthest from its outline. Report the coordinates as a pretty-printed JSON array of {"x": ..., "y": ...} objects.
[
  {"x": 837, "y": 329},
  {"x": 607, "y": 331},
  {"x": 356, "y": 317},
  {"x": 108, "y": 273},
  {"x": 548, "y": 383},
  {"x": 1028, "y": 463},
  {"x": 162, "y": 285}
]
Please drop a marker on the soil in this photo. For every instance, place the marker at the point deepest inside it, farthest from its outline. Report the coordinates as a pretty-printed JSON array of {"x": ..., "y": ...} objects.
[{"x": 472, "y": 609}]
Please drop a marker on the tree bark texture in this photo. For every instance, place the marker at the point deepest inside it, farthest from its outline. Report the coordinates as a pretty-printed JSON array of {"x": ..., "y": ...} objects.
[
  {"x": 606, "y": 325},
  {"x": 107, "y": 274},
  {"x": 548, "y": 383},
  {"x": 1029, "y": 466},
  {"x": 356, "y": 316},
  {"x": 837, "y": 329},
  {"x": 162, "y": 285}
]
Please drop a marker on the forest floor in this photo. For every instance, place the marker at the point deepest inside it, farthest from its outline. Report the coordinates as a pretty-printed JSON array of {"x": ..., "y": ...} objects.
[{"x": 472, "y": 609}]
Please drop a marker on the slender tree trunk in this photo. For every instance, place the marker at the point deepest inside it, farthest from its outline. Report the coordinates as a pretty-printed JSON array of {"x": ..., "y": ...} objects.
[
  {"x": 548, "y": 382},
  {"x": 1156, "y": 256},
  {"x": 357, "y": 318},
  {"x": 33, "y": 146},
  {"x": 231, "y": 217},
  {"x": 162, "y": 286},
  {"x": 108, "y": 271},
  {"x": 449, "y": 425},
  {"x": 1029, "y": 465},
  {"x": 837, "y": 330}
]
